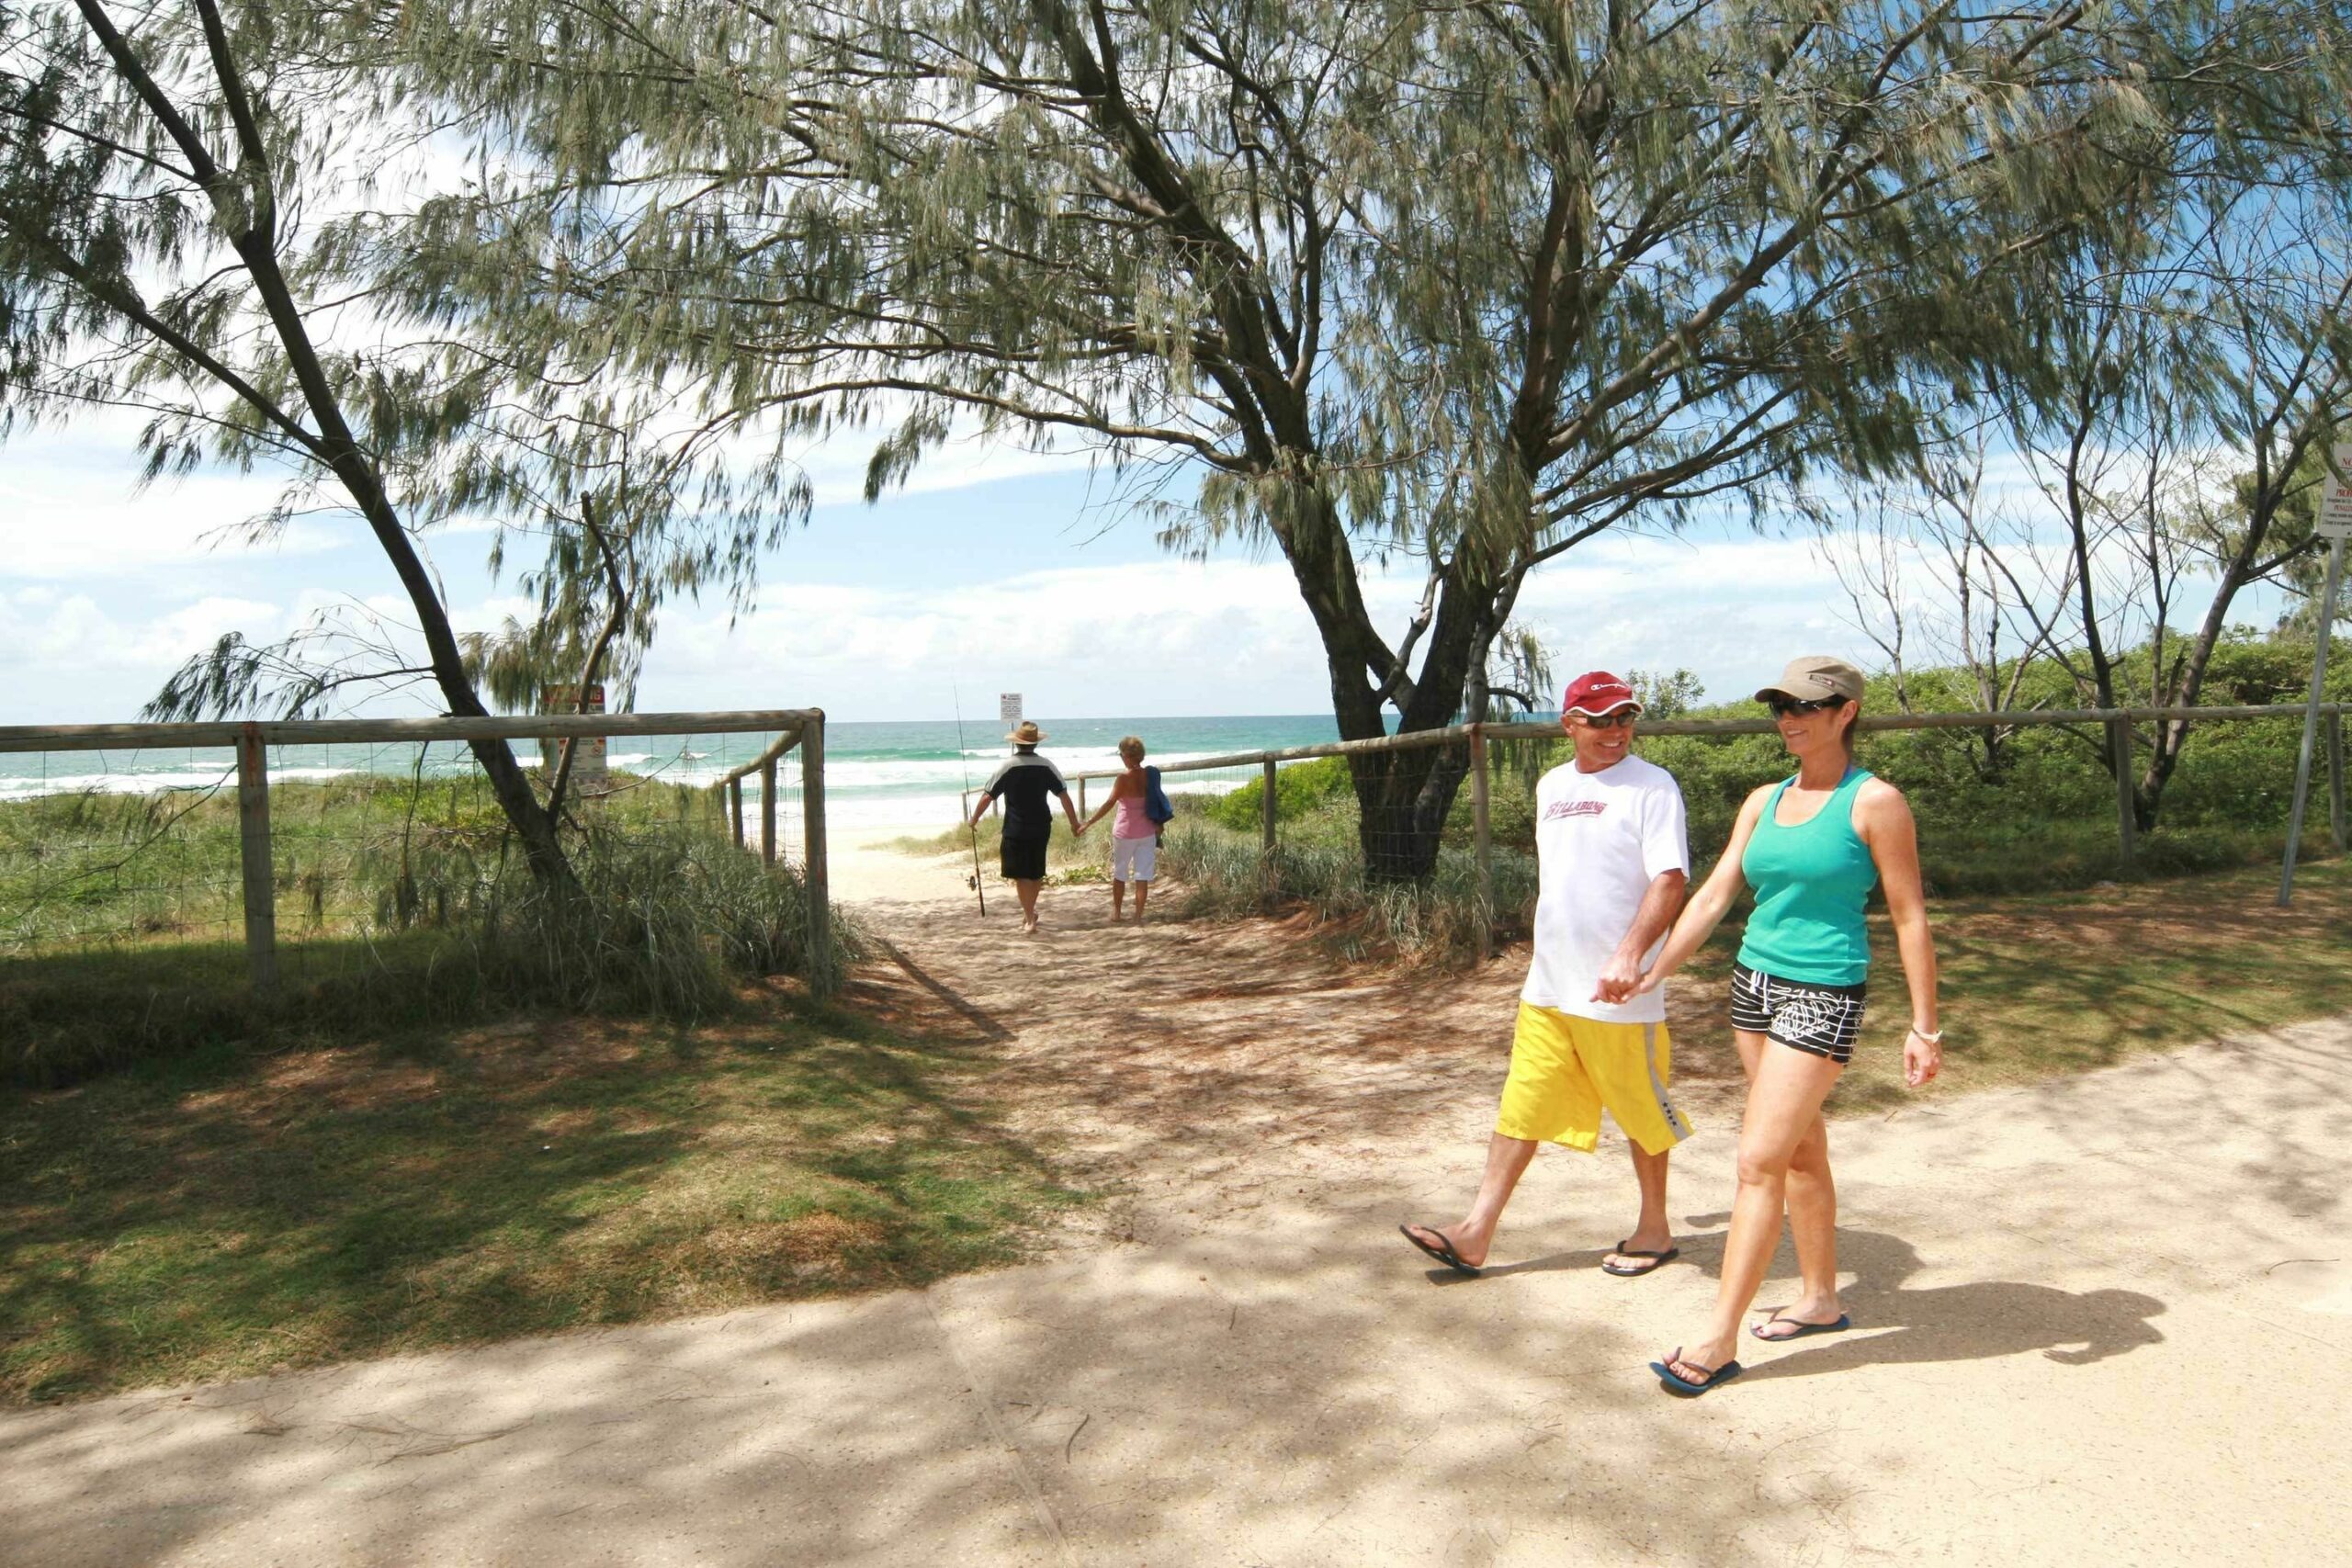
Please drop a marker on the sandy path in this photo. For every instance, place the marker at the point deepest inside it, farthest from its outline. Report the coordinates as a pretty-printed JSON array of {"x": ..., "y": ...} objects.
[
  {"x": 2100, "y": 1320},
  {"x": 1193, "y": 1069}
]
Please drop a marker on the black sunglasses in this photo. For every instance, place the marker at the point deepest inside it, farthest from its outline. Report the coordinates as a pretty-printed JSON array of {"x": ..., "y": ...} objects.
[
  {"x": 1620, "y": 718},
  {"x": 1783, "y": 706}
]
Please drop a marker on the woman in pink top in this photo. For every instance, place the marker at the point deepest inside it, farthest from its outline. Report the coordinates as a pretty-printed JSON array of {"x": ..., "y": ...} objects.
[{"x": 1135, "y": 838}]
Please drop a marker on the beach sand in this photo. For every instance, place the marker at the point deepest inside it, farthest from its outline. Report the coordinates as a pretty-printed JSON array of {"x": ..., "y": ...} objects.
[{"x": 866, "y": 870}]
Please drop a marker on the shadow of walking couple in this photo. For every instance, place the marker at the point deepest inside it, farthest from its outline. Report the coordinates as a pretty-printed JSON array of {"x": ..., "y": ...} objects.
[{"x": 1898, "y": 1324}]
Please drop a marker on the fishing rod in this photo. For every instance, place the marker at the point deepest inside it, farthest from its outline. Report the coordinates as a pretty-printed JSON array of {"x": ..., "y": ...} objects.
[{"x": 963, "y": 760}]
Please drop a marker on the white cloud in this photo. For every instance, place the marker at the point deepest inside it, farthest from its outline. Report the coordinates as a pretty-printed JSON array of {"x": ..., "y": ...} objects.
[
  {"x": 74, "y": 633},
  {"x": 1228, "y": 636},
  {"x": 76, "y": 512}
]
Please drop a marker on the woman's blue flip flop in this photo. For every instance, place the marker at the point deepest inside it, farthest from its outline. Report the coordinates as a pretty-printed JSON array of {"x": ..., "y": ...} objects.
[{"x": 1683, "y": 1387}]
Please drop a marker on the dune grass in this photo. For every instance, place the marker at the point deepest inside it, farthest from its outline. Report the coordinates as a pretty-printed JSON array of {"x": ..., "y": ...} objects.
[
  {"x": 396, "y": 906},
  {"x": 222, "y": 1212}
]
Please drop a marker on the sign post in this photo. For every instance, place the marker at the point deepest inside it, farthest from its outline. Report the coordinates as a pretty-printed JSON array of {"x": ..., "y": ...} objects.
[
  {"x": 1009, "y": 707},
  {"x": 2335, "y": 527}
]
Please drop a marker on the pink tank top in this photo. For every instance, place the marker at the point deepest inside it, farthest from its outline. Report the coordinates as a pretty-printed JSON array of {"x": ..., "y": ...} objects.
[{"x": 1128, "y": 821}]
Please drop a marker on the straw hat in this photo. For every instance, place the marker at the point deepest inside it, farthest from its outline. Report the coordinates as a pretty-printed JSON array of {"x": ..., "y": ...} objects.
[{"x": 1026, "y": 734}]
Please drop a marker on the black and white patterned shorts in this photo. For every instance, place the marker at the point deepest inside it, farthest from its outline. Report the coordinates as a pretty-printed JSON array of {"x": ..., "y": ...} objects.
[{"x": 1820, "y": 1020}]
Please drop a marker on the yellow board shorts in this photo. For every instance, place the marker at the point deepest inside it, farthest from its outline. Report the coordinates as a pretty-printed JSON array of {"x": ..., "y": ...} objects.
[{"x": 1565, "y": 1068}]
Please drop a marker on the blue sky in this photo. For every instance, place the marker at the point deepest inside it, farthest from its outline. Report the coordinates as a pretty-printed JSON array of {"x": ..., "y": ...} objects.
[{"x": 1001, "y": 571}]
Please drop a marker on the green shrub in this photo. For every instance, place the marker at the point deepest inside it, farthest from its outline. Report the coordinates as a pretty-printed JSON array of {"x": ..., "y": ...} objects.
[{"x": 1299, "y": 789}]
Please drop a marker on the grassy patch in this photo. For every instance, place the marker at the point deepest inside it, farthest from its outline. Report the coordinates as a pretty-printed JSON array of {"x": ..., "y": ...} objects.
[
  {"x": 399, "y": 921},
  {"x": 220, "y": 1215},
  {"x": 2035, "y": 986}
]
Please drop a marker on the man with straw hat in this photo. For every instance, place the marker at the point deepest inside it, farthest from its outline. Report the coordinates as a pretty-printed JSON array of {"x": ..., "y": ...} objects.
[{"x": 1023, "y": 783}]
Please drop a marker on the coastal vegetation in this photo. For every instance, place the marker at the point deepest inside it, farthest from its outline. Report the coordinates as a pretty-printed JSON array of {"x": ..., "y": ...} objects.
[
  {"x": 2039, "y": 815},
  {"x": 400, "y": 901}
]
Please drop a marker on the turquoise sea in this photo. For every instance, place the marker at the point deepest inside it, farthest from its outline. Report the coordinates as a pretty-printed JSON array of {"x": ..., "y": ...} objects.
[{"x": 876, "y": 774}]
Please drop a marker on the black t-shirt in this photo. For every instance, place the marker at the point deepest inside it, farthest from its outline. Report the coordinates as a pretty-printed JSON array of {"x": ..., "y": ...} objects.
[{"x": 1024, "y": 786}]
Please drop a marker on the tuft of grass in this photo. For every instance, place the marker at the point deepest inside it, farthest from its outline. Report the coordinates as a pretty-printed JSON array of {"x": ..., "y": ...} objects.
[{"x": 220, "y": 1214}]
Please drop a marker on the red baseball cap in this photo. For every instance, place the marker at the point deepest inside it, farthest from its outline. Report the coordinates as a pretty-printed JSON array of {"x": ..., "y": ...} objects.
[{"x": 1598, "y": 692}]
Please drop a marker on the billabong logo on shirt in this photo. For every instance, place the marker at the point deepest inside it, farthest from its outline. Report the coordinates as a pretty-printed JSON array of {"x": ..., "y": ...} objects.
[{"x": 1560, "y": 808}]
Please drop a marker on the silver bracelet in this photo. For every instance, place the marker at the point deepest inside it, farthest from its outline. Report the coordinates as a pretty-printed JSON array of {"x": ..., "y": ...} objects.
[{"x": 1935, "y": 1039}]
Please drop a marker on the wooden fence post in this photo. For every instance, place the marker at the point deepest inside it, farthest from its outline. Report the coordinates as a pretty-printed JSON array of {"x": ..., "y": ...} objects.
[
  {"x": 1481, "y": 823},
  {"x": 2119, "y": 739},
  {"x": 735, "y": 808},
  {"x": 767, "y": 810},
  {"x": 1081, "y": 798},
  {"x": 813, "y": 880},
  {"x": 254, "y": 853},
  {"x": 2335, "y": 778},
  {"x": 1266, "y": 826}
]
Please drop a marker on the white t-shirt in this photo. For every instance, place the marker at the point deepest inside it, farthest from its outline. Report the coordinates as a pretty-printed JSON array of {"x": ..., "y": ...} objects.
[{"x": 1601, "y": 840}]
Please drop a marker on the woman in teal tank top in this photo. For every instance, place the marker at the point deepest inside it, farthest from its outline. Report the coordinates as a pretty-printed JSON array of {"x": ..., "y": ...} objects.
[{"x": 1812, "y": 847}]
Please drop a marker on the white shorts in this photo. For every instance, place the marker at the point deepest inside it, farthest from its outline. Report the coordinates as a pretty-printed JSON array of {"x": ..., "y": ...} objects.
[{"x": 1132, "y": 859}]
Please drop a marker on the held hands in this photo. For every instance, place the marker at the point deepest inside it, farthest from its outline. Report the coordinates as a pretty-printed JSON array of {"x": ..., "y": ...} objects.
[{"x": 1621, "y": 981}]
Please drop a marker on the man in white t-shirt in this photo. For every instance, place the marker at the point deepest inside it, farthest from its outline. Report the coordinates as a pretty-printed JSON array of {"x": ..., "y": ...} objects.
[{"x": 1614, "y": 858}]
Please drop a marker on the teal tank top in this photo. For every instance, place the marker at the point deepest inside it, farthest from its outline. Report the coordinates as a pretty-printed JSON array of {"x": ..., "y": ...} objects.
[{"x": 1810, "y": 882}]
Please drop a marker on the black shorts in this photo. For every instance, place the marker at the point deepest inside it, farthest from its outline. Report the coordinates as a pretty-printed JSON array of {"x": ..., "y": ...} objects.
[
  {"x": 1820, "y": 1020},
  {"x": 1023, "y": 858}
]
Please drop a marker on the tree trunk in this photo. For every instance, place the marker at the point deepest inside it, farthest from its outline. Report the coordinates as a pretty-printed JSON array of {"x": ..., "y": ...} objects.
[{"x": 1403, "y": 796}]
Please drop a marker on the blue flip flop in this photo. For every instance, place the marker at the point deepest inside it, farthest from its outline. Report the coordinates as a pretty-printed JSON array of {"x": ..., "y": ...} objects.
[
  {"x": 1443, "y": 1251},
  {"x": 1803, "y": 1328},
  {"x": 1683, "y": 1387}
]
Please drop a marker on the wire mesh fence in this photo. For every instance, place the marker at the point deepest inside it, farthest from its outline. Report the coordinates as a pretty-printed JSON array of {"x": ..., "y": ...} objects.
[
  {"x": 119, "y": 845},
  {"x": 316, "y": 848}
]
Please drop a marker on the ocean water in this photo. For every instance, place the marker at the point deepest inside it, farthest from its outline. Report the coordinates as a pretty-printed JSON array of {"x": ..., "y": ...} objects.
[{"x": 894, "y": 773}]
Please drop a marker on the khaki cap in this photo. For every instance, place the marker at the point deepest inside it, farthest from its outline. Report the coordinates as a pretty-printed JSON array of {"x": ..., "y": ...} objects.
[{"x": 1812, "y": 677}]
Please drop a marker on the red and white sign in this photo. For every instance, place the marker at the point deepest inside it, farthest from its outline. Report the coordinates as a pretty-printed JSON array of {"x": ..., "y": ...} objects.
[{"x": 2336, "y": 502}]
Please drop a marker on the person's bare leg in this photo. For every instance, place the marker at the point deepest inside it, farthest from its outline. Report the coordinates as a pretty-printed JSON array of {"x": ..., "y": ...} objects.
[
  {"x": 1784, "y": 1097},
  {"x": 1027, "y": 888},
  {"x": 1651, "y": 1232},
  {"x": 1506, "y": 1163},
  {"x": 1813, "y": 1224},
  {"x": 1119, "y": 900},
  {"x": 1811, "y": 1209},
  {"x": 1142, "y": 895}
]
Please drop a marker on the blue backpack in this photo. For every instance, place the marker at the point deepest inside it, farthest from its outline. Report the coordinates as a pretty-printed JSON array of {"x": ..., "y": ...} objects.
[{"x": 1156, "y": 803}]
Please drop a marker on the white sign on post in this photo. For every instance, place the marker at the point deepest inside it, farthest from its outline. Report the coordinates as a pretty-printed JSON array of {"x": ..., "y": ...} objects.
[
  {"x": 2336, "y": 502},
  {"x": 1008, "y": 707}
]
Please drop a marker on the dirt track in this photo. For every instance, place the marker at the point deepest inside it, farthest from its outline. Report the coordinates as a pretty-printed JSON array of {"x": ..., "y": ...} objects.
[{"x": 2098, "y": 1320}]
